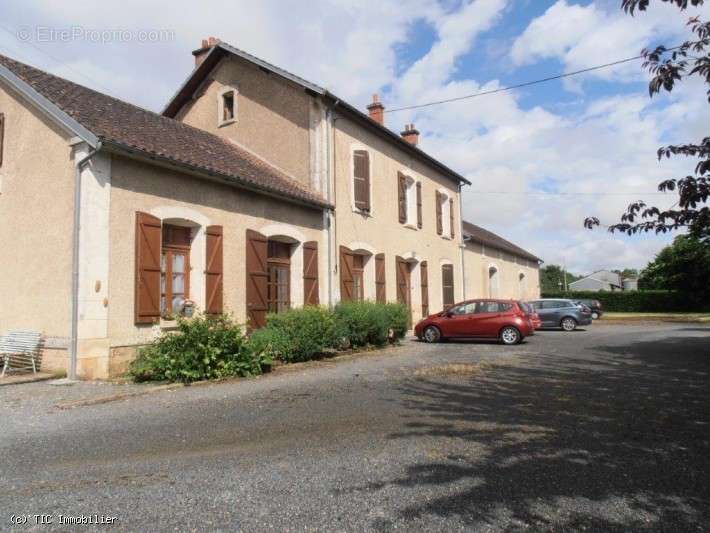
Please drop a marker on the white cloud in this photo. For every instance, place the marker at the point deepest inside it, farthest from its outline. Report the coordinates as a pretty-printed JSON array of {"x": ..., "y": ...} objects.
[
  {"x": 585, "y": 36},
  {"x": 501, "y": 145}
]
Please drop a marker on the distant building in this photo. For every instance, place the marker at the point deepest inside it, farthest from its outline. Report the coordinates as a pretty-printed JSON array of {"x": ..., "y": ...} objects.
[{"x": 604, "y": 280}]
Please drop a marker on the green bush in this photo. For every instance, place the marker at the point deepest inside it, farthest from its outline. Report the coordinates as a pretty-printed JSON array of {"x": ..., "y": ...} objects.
[
  {"x": 636, "y": 301},
  {"x": 369, "y": 323},
  {"x": 271, "y": 343},
  {"x": 202, "y": 348},
  {"x": 399, "y": 319},
  {"x": 300, "y": 334}
]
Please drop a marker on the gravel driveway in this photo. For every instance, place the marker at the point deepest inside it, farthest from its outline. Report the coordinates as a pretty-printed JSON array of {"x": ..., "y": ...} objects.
[{"x": 606, "y": 429}]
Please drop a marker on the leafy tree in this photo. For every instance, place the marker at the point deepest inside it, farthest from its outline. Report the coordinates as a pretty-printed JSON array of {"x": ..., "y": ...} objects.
[
  {"x": 627, "y": 273},
  {"x": 669, "y": 66},
  {"x": 683, "y": 266},
  {"x": 551, "y": 277}
]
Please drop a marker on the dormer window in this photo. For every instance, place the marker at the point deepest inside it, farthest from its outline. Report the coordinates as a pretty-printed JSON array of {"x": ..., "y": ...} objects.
[{"x": 227, "y": 106}]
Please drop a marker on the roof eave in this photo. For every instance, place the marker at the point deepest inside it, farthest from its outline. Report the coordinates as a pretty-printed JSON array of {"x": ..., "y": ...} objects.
[
  {"x": 48, "y": 107},
  {"x": 191, "y": 84},
  {"x": 392, "y": 136},
  {"x": 150, "y": 157}
]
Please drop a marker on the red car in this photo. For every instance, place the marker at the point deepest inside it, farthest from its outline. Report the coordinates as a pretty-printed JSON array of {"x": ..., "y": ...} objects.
[
  {"x": 505, "y": 320},
  {"x": 534, "y": 317}
]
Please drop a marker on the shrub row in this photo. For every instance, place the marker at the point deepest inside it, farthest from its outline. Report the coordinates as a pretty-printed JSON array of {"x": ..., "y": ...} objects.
[
  {"x": 213, "y": 347},
  {"x": 202, "y": 348},
  {"x": 302, "y": 334},
  {"x": 637, "y": 301}
]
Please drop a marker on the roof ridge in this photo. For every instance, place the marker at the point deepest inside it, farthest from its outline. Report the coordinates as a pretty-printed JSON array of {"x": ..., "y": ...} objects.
[{"x": 157, "y": 134}]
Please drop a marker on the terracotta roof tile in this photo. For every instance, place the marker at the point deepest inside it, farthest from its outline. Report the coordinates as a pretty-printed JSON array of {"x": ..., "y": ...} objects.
[
  {"x": 488, "y": 238},
  {"x": 138, "y": 129}
]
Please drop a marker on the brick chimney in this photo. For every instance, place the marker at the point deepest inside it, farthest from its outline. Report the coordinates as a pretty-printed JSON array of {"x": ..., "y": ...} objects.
[
  {"x": 410, "y": 134},
  {"x": 202, "y": 52},
  {"x": 376, "y": 110}
]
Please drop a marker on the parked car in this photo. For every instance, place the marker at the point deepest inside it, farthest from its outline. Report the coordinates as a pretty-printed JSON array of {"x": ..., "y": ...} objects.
[
  {"x": 565, "y": 314},
  {"x": 505, "y": 320},
  {"x": 534, "y": 317},
  {"x": 594, "y": 305}
]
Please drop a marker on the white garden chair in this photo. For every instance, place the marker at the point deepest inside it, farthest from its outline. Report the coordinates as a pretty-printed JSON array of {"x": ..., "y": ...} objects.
[{"x": 21, "y": 348}]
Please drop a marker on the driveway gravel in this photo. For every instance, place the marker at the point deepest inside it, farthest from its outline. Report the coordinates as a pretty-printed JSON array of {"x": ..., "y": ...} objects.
[{"x": 606, "y": 429}]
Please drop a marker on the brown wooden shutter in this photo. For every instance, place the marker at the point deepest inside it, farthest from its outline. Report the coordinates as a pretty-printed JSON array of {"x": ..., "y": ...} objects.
[
  {"x": 403, "y": 281},
  {"x": 447, "y": 282},
  {"x": 214, "y": 279},
  {"x": 451, "y": 217},
  {"x": 257, "y": 277},
  {"x": 380, "y": 279},
  {"x": 2, "y": 135},
  {"x": 310, "y": 273},
  {"x": 148, "y": 253},
  {"x": 419, "y": 205},
  {"x": 439, "y": 221},
  {"x": 346, "y": 274},
  {"x": 402, "y": 197},
  {"x": 424, "y": 269},
  {"x": 361, "y": 179}
]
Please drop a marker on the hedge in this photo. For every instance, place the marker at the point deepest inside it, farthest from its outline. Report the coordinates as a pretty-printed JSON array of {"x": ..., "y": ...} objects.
[
  {"x": 206, "y": 347},
  {"x": 203, "y": 347},
  {"x": 637, "y": 301}
]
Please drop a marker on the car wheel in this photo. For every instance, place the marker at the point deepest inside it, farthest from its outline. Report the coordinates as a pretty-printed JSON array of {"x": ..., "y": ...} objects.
[
  {"x": 432, "y": 334},
  {"x": 595, "y": 315},
  {"x": 510, "y": 335},
  {"x": 568, "y": 324}
]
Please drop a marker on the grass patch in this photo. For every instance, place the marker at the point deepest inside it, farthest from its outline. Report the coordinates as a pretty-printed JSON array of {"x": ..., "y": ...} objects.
[{"x": 663, "y": 317}]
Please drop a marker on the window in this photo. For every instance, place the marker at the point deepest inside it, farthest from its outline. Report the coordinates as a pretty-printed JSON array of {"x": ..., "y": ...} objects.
[
  {"x": 493, "y": 307},
  {"x": 358, "y": 277},
  {"x": 278, "y": 276},
  {"x": 447, "y": 283},
  {"x": 174, "y": 270},
  {"x": 444, "y": 215},
  {"x": 361, "y": 180},
  {"x": 493, "y": 282},
  {"x": 408, "y": 197},
  {"x": 465, "y": 309},
  {"x": 227, "y": 106}
]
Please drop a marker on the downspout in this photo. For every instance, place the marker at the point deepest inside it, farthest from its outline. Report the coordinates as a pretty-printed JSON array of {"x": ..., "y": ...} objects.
[
  {"x": 74, "y": 339},
  {"x": 330, "y": 192},
  {"x": 463, "y": 244}
]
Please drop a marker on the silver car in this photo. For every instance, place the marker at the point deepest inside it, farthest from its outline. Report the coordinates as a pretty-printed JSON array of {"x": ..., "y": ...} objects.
[{"x": 560, "y": 313}]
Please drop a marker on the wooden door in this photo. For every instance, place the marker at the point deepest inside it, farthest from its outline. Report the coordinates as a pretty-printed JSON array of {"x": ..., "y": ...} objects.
[
  {"x": 424, "y": 268},
  {"x": 380, "y": 279},
  {"x": 346, "y": 274},
  {"x": 257, "y": 279},
  {"x": 310, "y": 273},
  {"x": 403, "y": 282}
]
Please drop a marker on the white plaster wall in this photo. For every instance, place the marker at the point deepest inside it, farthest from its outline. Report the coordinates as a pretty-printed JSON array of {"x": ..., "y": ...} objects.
[{"x": 94, "y": 245}]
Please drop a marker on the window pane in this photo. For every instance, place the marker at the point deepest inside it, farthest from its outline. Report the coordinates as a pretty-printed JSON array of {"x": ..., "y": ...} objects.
[
  {"x": 162, "y": 305},
  {"x": 178, "y": 263},
  {"x": 178, "y": 283}
]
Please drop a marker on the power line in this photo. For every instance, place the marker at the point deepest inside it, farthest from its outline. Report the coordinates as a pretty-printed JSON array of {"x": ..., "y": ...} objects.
[
  {"x": 520, "y": 85},
  {"x": 556, "y": 193},
  {"x": 59, "y": 61}
]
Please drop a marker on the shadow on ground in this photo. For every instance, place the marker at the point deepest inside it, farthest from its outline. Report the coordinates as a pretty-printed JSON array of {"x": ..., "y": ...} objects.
[{"x": 617, "y": 439}]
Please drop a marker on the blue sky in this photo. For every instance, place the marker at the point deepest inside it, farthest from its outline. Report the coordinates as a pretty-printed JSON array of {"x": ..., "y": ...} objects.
[{"x": 582, "y": 136}]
